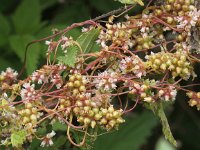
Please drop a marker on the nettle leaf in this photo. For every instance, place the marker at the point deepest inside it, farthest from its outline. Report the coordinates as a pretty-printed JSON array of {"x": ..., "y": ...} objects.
[
  {"x": 18, "y": 138},
  {"x": 4, "y": 30},
  {"x": 85, "y": 43},
  {"x": 130, "y": 136},
  {"x": 87, "y": 40},
  {"x": 57, "y": 126},
  {"x": 18, "y": 44},
  {"x": 158, "y": 110},
  {"x": 25, "y": 19},
  {"x": 140, "y": 2},
  {"x": 61, "y": 140},
  {"x": 70, "y": 58}
]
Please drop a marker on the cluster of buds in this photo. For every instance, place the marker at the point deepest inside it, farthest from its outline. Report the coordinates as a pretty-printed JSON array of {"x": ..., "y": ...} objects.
[
  {"x": 105, "y": 117},
  {"x": 179, "y": 7},
  {"x": 144, "y": 42},
  {"x": 77, "y": 84},
  {"x": 177, "y": 63},
  {"x": 29, "y": 115},
  {"x": 194, "y": 99},
  {"x": 119, "y": 34},
  {"x": 65, "y": 106}
]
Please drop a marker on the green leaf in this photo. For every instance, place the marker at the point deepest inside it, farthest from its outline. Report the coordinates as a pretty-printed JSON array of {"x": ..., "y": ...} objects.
[
  {"x": 158, "y": 110},
  {"x": 57, "y": 126},
  {"x": 27, "y": 17},
  {"x": 130, "y": 136},
  {"x": 140, "y": 2},
  {"x": 18, "y": 44},
  {"x": 4, "y": 30},
  {"x": 162, "y": 144},
  {"x": 104, "y": 6},
  {"x": 77, "y": 12},
  {"x": 60, "y": 141},
  {"x": 45, "y": 4},
  {"x": 70, "y": 57},
  {"x": 87, "y": 40},
  {"x": 18, "y": 138}
]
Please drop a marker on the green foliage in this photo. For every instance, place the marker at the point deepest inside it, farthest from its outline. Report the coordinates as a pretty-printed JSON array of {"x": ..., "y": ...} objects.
[
  {"x": 158, "y": 110},
  {"x": 130, "y": 136},
  {"x": 87, "y": 40},
  {"x": 70, "y": 57},
  {"x": 18, "y": 138},
  {"x": 140, "y": 2},
  {"x": 18, "y": 44},
  {"x": 4, "y": 29},
  {"x": 84, "y": 43},
  {"x": 57, "y": 126},
  {"x": 27, "y": 20}
]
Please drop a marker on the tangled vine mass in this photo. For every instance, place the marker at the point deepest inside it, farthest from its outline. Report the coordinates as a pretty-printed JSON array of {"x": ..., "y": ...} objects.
[{"x": 144, "y": 57}]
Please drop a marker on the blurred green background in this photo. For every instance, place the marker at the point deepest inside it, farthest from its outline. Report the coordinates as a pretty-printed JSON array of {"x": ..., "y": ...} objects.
[{"x": 22, "y": 21}]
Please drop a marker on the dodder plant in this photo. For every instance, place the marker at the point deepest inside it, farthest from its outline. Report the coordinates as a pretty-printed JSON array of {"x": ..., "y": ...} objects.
[{"x": 144, "y": 57}]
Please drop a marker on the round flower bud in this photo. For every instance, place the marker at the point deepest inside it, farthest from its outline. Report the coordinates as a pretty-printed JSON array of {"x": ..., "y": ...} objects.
[
  {"x": 103, "y": 121},
  {"x": 33, "y": 118},
  {"x": 112, "y": 123},
  {"x": 82, "y": 88},
  {"x": 93, "y": 123},
  {"x": 77, "y": 83},
  {"x": 72, "y": 78},
  {"x": 28, "y": 105},
  {"x": 97, "y": 117},
  {"x": 27, "y": 112},
  {"x": 86, "y": 121}
]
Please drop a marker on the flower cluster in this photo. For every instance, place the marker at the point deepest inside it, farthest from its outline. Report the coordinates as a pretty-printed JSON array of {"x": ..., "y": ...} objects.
[
  {"x": 8, "y": 76},
  {"x": 167, "y": 94},
  {"x": 119, "y": 34},
  {"x": 176, "y": 63},
  {"x": 106, "y": 81},
  {"x": 133, "y": 64},
  {"x": 194, "y": 99},
  {"x": 142, "y": 58}
]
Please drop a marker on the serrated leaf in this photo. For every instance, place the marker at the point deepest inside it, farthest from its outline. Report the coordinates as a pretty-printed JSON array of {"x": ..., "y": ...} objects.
[
  {"x": 4, "y": 25},
  {"x": 87, "y": 39},
  {"x": 18, "y": 44},
  {"x": 60, "y": 141},
  {"x": 27, "y": 17},
  {"x": 130, "y": 136},
  {"x": 70, "y": 57},
  {"x": 4, "y": 30},
  {"x": 104, "y": 5},
  {"x": 18, "y": 138},
  {"x": 158, "y": 110},
  {"x": 140, "y": 2},
  {"x": 57, "y": 126}
]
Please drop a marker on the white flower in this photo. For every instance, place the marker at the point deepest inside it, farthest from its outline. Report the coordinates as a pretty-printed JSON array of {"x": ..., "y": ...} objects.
[
  {"x": 168, "y": 93},
  {"x": 106, "y": 80},
  {"x": 47, "y": 42},
  {"x": 9, "y": 74},
  {"x": 47, "y": 141},
  {"x": 28, "y": 91},
  {"x": 132, "y": 64}
]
